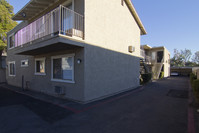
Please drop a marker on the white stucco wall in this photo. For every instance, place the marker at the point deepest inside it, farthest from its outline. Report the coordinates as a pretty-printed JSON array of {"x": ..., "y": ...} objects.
[
  {"x": 110, "y": 68},
  {"x": 166, "y": 63},
  {"x": 110, "y": 25}
]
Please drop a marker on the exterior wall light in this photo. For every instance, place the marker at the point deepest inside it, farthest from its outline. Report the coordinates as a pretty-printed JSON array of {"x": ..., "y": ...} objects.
[{"x": 23, "y": 14}]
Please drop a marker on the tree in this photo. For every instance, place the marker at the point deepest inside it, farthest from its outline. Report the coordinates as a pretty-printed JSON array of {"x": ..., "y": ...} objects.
[
  {"x": 191, "y": 64},
  {"x": 6, "y": 23},
  {"x": 177, "y": 59},
  {"x": 196, "y": 57},
  {"x": 186, "y": 55},
  {"x": 181, "y": 58}
]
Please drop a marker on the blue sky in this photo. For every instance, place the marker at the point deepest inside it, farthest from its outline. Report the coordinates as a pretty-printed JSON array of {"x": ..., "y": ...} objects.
[{"x": 169, "y": 23}]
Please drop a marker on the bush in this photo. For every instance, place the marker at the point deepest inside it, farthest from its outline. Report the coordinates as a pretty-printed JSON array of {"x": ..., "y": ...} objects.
[
  {"x": 146, "y": 77},
  {"x": 161, "y": 75},
  {"x": 196, "y": 89},
  {"x": 192, "y": 78}
]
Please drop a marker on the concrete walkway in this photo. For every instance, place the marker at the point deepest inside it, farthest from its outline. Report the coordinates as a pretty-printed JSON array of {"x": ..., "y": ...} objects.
[{"x": 159, "y": 107}]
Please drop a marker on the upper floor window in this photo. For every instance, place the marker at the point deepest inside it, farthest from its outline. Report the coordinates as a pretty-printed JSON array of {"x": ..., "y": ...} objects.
[
  {"x": 11, "y": 41},
  {"x": 160, "y": 56},
  {"x": 11, "y": 68},
  {"x": 153, "y": 55}
]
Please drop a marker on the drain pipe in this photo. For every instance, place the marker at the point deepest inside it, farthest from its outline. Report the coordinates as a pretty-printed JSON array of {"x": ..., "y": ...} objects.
[{"x": 22, "y": 83}]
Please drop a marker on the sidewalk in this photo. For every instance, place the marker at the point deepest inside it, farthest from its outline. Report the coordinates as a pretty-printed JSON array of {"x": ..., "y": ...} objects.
[{"x": 65, "y": 103}]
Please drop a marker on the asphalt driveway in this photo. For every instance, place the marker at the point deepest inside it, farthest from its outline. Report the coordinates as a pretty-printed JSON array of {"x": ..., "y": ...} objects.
[{"x": 159, "y": 107}]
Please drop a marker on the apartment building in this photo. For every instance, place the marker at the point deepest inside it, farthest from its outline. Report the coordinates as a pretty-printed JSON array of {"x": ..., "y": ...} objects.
[
  {"x": 82, "y": 50},
  {"x": 156, "y": 60}
]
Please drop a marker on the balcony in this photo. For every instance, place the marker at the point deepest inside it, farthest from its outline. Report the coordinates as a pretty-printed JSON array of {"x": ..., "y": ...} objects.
[
  {"x": 148, "y": 59},
  {"x": 59, "y": 22},
  {"x": 142, "y": 53}
]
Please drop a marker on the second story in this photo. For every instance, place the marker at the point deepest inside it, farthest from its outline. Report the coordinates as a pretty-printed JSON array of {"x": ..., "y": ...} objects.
[
  {"x": 110, "y": 24},
  {"x": 153, "y": 55}
]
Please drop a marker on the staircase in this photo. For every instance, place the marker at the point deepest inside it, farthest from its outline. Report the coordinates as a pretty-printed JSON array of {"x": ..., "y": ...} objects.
[
  {"x": 144, "y": 68},
  {"x": 156, "y": 69}
]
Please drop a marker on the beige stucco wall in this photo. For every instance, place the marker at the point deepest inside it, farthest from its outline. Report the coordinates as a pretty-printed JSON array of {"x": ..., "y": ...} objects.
[
  {"x": 107, "y": 67},
  {"x": 43, "y": 83},
  {"x": 110, "y": 25},
  {"x": 166, "y": 63}
]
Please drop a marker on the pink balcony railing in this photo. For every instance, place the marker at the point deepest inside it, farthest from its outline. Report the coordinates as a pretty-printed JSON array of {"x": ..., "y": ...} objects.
[{"x": 59, "y": 21}]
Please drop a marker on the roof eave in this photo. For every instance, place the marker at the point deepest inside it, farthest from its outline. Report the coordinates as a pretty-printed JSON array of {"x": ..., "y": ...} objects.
[
  {"x": 14, "y": 17},
  {"x": 135, "y": 15}
]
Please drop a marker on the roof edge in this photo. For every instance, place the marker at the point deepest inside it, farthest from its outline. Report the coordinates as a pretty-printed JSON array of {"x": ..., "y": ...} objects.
[
  {"x": 13, "y": 18},
  {"x": 135, "y": 15}
]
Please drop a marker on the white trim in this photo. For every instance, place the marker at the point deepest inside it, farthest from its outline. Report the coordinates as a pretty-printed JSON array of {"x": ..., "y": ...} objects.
[
  {"x": 43, "y": 74},
  {"x": 62, "y": 80},
  {"x": 11, "y": 62},
  {"x": 13, "y": 34},
  {"x": 24, "y": 61},
  {"x": 65, "y": 81},
  {"x": 40, "y": 59}
]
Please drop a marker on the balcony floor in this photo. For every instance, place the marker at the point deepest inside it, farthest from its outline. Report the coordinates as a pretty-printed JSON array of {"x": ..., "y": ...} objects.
[{"x": 53, "y": 44}]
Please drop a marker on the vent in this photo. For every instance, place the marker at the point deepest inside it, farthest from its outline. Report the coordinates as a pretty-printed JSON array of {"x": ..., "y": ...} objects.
[
  {"x": 131, "y": 49},
  {"x": 59, "y": 90}
]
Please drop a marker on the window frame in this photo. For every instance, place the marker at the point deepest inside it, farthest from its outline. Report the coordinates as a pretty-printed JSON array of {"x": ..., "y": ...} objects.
[
  {"x": 13, "y": 34},
  {"x": 73, "y": 68},
  {"x": 24, "y": 61},
  {"x": 40, "y": 59},
  {"x": 153, "y": 54},
  {"x": 11, "y": 62}
]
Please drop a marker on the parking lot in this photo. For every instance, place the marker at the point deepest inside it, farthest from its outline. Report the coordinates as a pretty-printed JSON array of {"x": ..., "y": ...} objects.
[{"x": 158, "y": 107}]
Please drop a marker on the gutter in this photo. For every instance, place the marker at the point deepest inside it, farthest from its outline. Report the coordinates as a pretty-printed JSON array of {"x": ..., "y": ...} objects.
[{"x": 135, "y": 15}]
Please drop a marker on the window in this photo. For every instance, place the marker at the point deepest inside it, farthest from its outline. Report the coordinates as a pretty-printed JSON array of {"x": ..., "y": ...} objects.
[
  {"x": 159, "y": 56},
  {"x": 63, "y": 68},
  {"x": 153, "y": 55},
  {"x": 11, "y": 68},
  {"x": 40, "y": 66},
  {"x": 24, "y": 63},
  {"x": 11, "y": 41}
]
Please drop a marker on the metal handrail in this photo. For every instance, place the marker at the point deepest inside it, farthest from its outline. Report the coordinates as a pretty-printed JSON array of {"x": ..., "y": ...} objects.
[{"x": 61, "y": 20}]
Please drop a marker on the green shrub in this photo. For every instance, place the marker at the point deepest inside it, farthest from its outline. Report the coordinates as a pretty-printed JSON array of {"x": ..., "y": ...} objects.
[
  {"x": 161, "y": 75},
  {"x": 196, "y": 89},
  {"x": 192, "y": 78},
  {"x": 146, "y": 77}
]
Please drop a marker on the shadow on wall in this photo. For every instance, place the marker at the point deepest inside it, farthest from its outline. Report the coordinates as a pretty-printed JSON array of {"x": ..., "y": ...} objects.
[
  {"x": 101, "y": 73},
  {"x": 108, "y": 72}
]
